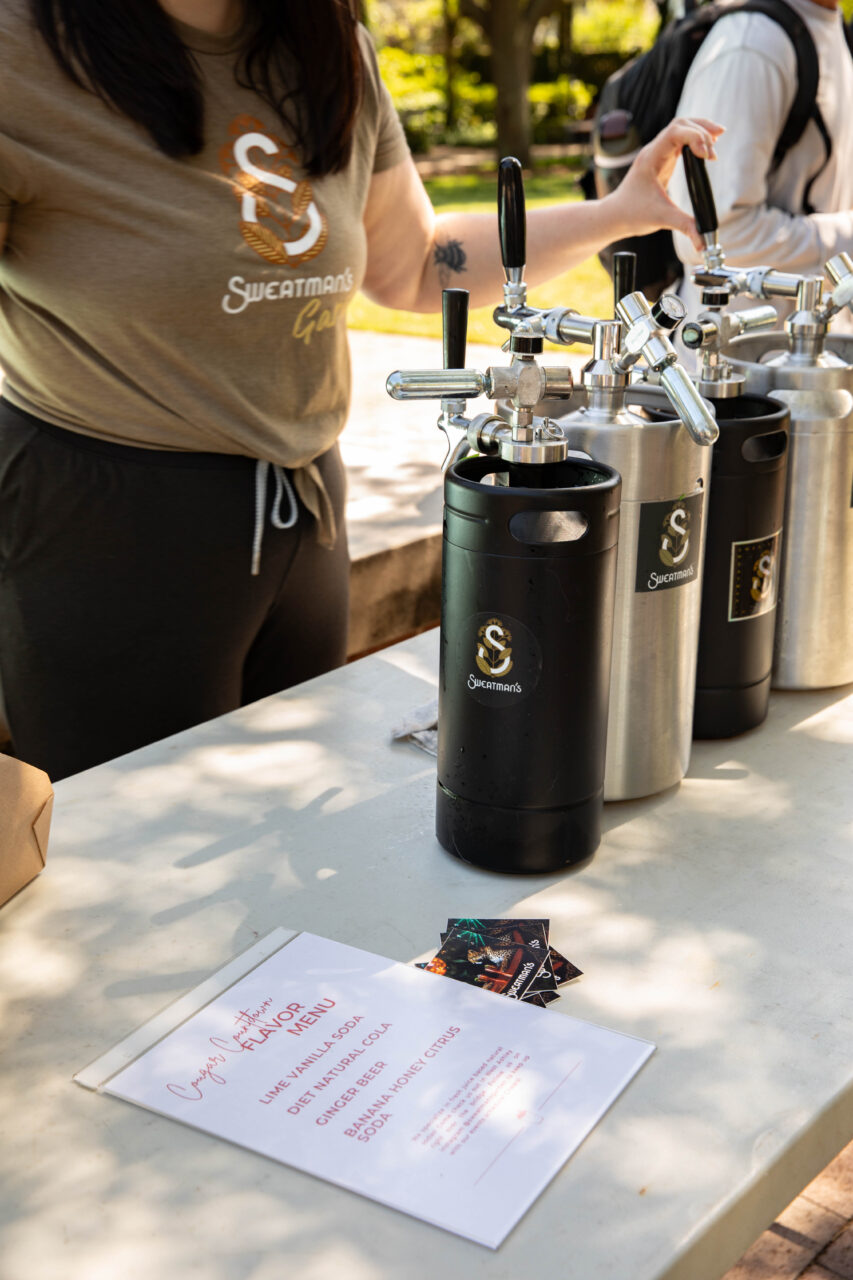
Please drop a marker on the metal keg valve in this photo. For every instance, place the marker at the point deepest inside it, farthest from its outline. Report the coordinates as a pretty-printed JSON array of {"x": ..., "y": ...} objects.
[
  {"x": 814, "y": 309},
  {"x": 526, "y": 438},
  {"x": 646, "y": 335},
  {"x": 524, "y": 383},
  {"x": 559, "y": 324},
  {"x": 711, "y": 332},
  {"x": 840, "y": 272},
  {"x": 638, "y": 330}
]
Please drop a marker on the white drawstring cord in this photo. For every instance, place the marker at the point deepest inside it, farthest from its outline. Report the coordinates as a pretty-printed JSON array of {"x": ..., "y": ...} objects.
[
  {"x": 282, "y": 486},
  {"x": 282, "y": 483}
]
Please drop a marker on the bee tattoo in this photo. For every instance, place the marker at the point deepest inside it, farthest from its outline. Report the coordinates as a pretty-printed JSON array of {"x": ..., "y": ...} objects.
[{"x": 449, "y": 258}]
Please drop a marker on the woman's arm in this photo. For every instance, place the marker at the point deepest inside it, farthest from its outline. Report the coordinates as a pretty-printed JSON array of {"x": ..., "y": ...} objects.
[{"x": 412, "y": 253}]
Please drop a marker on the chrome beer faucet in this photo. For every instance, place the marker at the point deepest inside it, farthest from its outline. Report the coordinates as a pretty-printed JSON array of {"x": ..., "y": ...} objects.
[
  {"x": 807, "y": 326},
  {"x": 638, "y": 332},
  {"x": 525, "y": 437}
]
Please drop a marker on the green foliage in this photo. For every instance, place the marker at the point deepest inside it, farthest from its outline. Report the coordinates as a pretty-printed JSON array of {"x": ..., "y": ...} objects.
[
  {"x": 478, "y": 192},
  {"x": 409, "y": 35},
  {"x": 416, "y": 84},
  {"x": 847, "y": 9},
  {"x": 409, "y": 24},
  {"x": 621, "y": 26},
  {"x": 554, "y": 104},
  {"x": 475, "y": 112}
]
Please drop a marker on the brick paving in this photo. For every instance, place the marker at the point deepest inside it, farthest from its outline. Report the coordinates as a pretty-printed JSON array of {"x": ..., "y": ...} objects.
[{"x": 813, "y": 1238}]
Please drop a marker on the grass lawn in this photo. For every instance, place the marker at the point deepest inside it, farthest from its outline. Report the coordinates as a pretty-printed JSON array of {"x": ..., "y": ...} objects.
[{"x": 587, "y": 288}]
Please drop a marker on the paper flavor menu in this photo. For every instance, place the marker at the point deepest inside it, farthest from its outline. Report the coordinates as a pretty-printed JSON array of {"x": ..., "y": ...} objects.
[{"x": 438, "y": 1099}]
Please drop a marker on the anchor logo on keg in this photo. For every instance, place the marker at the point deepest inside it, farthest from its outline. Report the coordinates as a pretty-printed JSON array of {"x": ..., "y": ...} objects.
[
  {"x": 494, "y": 654},
  {"x": 762, "y": 577},
  {"x": 675, "y": 536}
]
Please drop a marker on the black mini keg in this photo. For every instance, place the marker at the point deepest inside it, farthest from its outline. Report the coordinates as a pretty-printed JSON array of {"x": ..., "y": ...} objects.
[
  {"x": 528, "y": 579},
  {"x": 528, "y": 583},
  {"x": 746, "y": 504},
  {"x": 742, "y": 548}
]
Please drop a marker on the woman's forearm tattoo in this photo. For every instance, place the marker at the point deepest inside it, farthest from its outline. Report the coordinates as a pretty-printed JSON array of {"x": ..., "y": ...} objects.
[{"x": 449, "y": 259}]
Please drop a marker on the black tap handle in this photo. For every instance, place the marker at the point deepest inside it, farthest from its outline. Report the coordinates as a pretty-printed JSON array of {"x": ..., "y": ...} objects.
[
  {"x": 624, "y": 275},
  {"x": 701, "y": 195},
  {"x": 454, "y": 318},
  {"x": 512, "y": 223}
]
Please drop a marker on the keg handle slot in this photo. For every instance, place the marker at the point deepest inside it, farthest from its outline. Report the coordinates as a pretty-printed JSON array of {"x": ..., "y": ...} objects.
[
  {"x": 543, "y": 528},
  {"x": 765, "y": 447}
]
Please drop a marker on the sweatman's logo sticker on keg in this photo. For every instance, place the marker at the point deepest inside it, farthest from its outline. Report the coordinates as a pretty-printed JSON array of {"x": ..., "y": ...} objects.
[
  {"x": 507, "y": 659},
  {"x": 754, "y": 577},
  {"x": 494, "y": 654},
  {"x": 668, "y": 543}
]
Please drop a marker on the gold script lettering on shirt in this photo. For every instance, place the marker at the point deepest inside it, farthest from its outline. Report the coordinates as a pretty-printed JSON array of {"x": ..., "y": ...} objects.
[{"x": 314, "y": 317}]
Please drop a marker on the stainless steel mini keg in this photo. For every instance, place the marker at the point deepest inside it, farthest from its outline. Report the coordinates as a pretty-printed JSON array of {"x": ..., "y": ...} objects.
[
  {"x": 814, "y": 628},
  {"x": 811, "y": 371},
  {"x": 665, "y": 461}
]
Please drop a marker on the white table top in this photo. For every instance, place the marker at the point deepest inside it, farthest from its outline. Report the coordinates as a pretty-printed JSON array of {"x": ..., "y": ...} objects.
[{"x": 715, "y": 920}]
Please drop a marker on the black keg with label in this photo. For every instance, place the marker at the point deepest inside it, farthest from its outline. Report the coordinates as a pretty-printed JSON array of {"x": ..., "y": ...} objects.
[
  {"x": 528, "y": 580},
  {"x": 743, "y": 542}
]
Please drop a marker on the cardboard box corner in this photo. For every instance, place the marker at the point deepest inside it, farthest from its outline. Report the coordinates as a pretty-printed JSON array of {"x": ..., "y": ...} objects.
[{"x": 26, "y": 807}]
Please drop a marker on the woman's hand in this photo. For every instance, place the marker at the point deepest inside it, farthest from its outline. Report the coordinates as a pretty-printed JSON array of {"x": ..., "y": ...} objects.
[{"x": 640, "y": 203}]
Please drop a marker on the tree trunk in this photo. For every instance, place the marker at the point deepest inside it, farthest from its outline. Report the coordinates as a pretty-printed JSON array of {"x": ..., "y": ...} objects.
[
  {"x": 510, "y": 36},
  {"x": 451, "y": 18},
  {"x": 566, "y": 36},
  {"x": 509, "y": 26}
]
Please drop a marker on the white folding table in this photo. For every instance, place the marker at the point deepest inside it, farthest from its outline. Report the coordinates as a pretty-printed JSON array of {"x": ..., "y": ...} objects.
[{"x": 716, "y": 920}]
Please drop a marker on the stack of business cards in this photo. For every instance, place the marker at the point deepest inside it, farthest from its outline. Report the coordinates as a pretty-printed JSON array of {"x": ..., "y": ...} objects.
[{"x": 511, "y": 957}]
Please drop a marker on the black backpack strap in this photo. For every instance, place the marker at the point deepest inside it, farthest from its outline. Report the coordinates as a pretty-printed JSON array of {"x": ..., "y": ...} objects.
[
  {"x": 808, "y": 207},
  {"x": 804, "y": 106}
]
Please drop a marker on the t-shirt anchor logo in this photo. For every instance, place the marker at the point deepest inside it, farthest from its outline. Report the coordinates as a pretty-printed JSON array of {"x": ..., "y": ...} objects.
[
  {"x": 494, "y": 656},
  {"x": 675, "y": 537},
  {"x": 762, "y": 577},
  {"x": 300, "y": 230}
]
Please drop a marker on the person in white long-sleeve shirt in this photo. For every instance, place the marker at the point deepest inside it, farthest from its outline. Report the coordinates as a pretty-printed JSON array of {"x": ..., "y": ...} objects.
[{"x": 745, "y": 77}]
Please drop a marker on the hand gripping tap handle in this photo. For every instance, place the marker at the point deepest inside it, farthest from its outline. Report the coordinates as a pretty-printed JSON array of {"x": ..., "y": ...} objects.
[
  {"x": 624, "y": 275},
  {"x": 454, "y": 316},
  {"x": 701, "y": 195},
  {"x": 512, "y": 223}
]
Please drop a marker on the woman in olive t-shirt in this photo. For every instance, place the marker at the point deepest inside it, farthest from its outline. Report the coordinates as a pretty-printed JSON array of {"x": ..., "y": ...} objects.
[{"x": 191, "y": 192}]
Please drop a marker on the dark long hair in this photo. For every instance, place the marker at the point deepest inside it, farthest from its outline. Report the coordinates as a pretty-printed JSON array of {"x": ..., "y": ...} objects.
[{"x": 302, "y": 57}]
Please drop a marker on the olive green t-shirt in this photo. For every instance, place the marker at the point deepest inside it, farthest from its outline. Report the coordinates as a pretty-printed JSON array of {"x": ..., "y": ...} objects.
[{"x": 194, "y": 304}]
